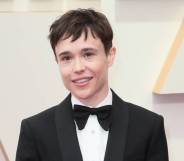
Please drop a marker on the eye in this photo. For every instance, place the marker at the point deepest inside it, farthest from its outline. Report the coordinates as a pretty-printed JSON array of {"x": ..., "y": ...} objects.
[
  {"x": 88, "y": 55},
  {"x": 66, "y": 59}
]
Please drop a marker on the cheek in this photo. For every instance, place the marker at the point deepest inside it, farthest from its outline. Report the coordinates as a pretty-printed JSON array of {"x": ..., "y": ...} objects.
[
  {"x": 101, "y": 70},
  {"x": 65, "y": 73}
]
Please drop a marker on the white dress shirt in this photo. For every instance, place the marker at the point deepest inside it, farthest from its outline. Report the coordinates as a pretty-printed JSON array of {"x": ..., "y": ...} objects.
[{"x": 93, "y": 138}]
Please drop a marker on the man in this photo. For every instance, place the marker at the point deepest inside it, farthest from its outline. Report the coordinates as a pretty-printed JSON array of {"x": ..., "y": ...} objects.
[{"x": 92, "y": 123}]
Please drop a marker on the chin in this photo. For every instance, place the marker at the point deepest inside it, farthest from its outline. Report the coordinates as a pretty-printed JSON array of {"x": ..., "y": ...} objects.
[{"x": 82, "y": 95}]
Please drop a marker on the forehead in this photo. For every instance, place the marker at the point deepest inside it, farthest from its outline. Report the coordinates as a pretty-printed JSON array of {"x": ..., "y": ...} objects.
[{"x": 80, "y": 43}]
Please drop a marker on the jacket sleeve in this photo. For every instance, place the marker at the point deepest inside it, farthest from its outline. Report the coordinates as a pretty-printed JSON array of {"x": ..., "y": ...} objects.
[
  {"x": 157, "y": 149},
  {"x": 26, "y": 149}
]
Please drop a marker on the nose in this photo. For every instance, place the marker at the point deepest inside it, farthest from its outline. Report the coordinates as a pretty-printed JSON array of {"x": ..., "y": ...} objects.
[{"x": 78, "y": 66}]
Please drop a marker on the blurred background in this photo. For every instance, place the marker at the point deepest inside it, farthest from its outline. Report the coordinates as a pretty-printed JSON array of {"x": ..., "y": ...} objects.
[{"x": 144, "y": 31}]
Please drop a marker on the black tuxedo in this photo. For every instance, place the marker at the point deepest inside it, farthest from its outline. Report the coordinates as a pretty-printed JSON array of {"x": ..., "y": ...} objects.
[{"x": 136, "y": 134}]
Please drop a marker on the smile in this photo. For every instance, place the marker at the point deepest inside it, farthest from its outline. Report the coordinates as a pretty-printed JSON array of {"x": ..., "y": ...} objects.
[{"x": 82, "y": 81}]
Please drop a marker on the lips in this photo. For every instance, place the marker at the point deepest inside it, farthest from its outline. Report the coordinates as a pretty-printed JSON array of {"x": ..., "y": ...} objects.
[{"x": 82, "y": 81}]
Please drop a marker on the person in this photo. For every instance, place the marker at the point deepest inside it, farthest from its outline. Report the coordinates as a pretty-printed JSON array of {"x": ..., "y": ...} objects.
[{"x": 92, "y": 123}]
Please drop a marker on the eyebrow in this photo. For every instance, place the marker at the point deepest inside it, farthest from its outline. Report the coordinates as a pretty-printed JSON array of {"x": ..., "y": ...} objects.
[
  {"x": 83, "y": 50},
  {"x": 64, "y": 53},
  {"x": 89, "y": 49}
]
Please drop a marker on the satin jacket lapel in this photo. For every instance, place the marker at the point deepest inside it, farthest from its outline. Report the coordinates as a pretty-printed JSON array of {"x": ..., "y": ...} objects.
[
  {"x": 66, "y": 132},
  {"x": 118, "y": 131}
]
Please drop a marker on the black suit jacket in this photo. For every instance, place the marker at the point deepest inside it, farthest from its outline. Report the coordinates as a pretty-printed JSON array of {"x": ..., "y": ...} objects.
[{"x": 136, "y": 134}]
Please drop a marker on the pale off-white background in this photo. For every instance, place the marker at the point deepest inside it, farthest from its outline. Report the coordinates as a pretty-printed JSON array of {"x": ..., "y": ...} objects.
[{"x": 30, "y": 80}]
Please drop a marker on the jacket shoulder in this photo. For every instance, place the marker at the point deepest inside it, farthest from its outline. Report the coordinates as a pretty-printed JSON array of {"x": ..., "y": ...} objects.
[
  {"x": 140, "y": 111},
  {"x": 143, "y": 118},
  {"x": 135, "y": 110},
  {"x": 41, "y": 119},
  {"x": 43, "y": 114}
]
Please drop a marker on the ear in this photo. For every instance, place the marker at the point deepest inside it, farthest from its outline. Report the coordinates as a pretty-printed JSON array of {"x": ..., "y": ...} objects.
[{"x": 111, "y": 56}]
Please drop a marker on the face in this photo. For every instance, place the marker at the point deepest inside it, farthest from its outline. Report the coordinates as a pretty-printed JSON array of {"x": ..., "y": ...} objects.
[{"x": 84, "y": 67}]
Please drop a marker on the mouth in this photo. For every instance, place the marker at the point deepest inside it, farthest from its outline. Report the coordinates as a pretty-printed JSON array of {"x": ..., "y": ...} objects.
[{"x": 82, "y": 81}]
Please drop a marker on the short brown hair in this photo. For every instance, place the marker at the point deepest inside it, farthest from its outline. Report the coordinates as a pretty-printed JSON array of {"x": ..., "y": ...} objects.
[{"x": 75, "y": 22}]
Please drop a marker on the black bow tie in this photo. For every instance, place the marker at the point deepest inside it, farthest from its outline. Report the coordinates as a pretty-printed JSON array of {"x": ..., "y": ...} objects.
[{"x": 81, "y": 115}]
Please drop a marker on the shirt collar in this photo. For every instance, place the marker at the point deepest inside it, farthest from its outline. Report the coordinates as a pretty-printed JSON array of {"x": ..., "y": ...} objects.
[{"x": 106, "y": 101}]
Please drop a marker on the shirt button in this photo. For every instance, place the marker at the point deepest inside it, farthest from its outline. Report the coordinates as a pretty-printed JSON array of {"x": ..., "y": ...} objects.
[{"x": 93, "y": 131}]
